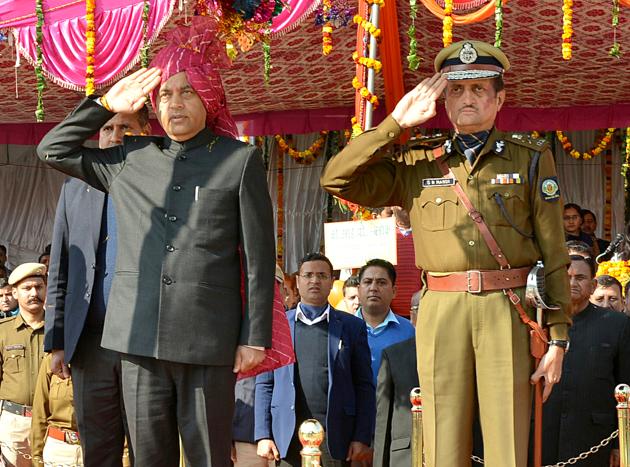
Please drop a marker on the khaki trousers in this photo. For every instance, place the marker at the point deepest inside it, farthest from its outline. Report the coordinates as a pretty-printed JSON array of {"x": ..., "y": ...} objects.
[
  {"x": 57, "y": 452},
  {"x": 15, "y": 431},
  {"x": 473, "y": 349}
]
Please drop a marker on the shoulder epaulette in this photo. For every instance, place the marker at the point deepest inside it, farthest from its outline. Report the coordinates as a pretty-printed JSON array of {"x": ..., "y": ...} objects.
[
  {"x": 426, "y": 142},
  {"x": 524, "y": 139}
]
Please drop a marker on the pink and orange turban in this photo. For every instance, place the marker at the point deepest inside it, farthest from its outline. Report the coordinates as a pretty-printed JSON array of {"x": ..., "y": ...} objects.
[{"x": 196, "y": 50}]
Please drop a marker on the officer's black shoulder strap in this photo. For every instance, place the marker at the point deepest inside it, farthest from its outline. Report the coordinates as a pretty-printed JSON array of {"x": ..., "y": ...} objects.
[{"x": 536, "y": 147}]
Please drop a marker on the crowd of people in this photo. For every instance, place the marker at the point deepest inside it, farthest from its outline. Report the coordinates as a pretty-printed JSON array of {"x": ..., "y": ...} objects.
[
  {"x": 353, "y": 372},
  {"x": 159, "y": 289}
]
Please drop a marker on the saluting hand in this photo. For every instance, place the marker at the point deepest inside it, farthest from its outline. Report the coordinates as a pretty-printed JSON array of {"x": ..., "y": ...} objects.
[
  {"x": 418, "y": 105},
  {"x": 130, "y": 93}
]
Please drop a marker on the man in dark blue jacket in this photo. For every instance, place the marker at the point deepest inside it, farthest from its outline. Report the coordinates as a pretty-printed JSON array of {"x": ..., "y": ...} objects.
[
  {"x": 330, "y": 381},
  {"x": 81, "y": 269}
]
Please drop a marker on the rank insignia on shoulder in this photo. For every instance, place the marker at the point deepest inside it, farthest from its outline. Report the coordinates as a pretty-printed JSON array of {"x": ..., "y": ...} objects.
[
  {"x": 448, "y": 146},
  {"x": 426, "y": 142},
  {"x": 507, "y": 179},
  {"x": 499, "y": 146},
  {"x": 431, "y": 182},
  {"x": 549, "y": 189}
]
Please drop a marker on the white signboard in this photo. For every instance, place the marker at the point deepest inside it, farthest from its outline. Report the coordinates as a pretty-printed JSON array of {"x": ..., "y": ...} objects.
[{"x": 352, "y": 244}]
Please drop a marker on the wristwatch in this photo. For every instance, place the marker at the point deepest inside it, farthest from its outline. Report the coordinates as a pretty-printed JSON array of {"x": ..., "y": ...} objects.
[{"x": 560, "y": 343}]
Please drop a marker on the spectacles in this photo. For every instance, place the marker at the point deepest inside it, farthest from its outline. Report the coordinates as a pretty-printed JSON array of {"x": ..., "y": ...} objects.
[{"x": 322, "y": 276}]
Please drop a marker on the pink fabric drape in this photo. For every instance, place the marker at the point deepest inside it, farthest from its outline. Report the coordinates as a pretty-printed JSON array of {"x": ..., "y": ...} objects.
[
  {"x": 296, "y": 12},
  {"x": 118, "y": 38}
]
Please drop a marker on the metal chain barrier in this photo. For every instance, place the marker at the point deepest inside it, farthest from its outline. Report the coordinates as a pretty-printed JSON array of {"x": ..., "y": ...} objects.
[
  {"x": 573, "y": 460},
  {"x": 27, "y": 456}
]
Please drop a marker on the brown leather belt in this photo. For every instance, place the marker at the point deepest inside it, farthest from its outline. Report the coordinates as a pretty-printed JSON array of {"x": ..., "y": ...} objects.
[
  {"x": 17, "y": 409},
  {"x": 479, "y": 281},
  {"x": 67, "y": 436}
]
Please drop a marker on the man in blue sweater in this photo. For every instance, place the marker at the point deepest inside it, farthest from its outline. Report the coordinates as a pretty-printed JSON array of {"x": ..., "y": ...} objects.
[{"x": 377, "y": 288}]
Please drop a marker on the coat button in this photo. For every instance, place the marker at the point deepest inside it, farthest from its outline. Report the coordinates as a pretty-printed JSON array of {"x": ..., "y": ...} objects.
[
  {"x": 391, "y": 134},
  {"x": 177, "y": 187},
  {"x": 182, "y": 157},
  {"x": 438, "y": 200},
  {"x": 172, "y": 218},
  {"x": 471, "y": 243},
  {"x": 167, "y": 280},
  {"x": 471, "y": 178},
  {"x": 170, "y": 248}
]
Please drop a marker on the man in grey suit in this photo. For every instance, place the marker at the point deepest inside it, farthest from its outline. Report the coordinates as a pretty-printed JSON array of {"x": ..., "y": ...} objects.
[
  {"x": 80, "y": 275},
  {"x": 397, "y": 376},
  {"x": 194, "y": 219}
]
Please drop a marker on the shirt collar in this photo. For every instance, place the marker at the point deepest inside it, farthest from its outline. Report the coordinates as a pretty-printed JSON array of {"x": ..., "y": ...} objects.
[
  {"x": 389, "y": 318},
  {"x": 300, "y": 316},
  {"x": 205, "y": 136},
  {"x": 19, "y": 322}
]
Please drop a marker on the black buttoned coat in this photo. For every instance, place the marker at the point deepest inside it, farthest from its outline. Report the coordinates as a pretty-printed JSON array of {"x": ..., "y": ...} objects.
[{"x": 186, "y": 213}]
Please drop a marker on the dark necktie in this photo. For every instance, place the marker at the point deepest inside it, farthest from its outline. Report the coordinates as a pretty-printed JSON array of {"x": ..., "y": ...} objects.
[{"x": 472, "y": 144}]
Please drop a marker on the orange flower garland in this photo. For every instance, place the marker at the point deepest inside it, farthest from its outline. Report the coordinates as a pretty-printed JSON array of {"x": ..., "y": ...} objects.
[
  {"x": 599, "y": 147},
  {"x": 365, "y": 93},
  {"x": 90, "y": 43},
  {"x": 367, "y": 26},
  {"x": 327, "y": 29},
  {"x": 567, "y": 28},
  {"x": 620, "y": 270},
  {"x": 302, "y": 157},
  {"x": 447, "y": 23},
  {"x": 376, "y": 65}
]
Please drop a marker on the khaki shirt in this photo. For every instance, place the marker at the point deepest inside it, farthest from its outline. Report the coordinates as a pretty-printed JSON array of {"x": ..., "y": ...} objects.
[
  {"x": 21, "y": 352},
  {"x": 371, "y": 172},
  {"x": 53, "y": 405}
]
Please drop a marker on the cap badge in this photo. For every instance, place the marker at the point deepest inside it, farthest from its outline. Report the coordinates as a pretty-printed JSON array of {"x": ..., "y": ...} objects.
[{"x": 468, "y": 54}]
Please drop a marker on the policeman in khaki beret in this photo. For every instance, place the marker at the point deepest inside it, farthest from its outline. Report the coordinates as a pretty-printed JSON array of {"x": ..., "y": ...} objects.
[
  {"x": 473, "y": 350},
  {"x": 21, "y": 353}
]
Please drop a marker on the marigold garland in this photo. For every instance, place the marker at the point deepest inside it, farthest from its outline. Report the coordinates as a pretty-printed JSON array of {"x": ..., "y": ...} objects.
[
  {"x": 620, "y": 270},
  {"x": 376, "y": 65},
  {"x": 365, "y": 93},
  {"x": 90, "y": 43},
  {"x": 356, "y": 128},
  {"x": 358, "y": 85},
  {"x": 327, "y": 29},
  {"x": 626, "y": 164},
  {"x": 302, "y": 157},
  {"x": 597, "y": 149},
  {"x": 567, "y": 28},
  {"x": 359, "y": 213},
  {"x": 41, "y": 82},
  {"x": 367, "y": 26},
  {"x": 447, "y": 23}
]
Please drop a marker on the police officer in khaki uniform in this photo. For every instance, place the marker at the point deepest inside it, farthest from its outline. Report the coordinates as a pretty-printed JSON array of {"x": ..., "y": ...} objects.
[
  {"x": 472, "y": 347},
  {"x": 21, "y": 352},
  {"x": 54, "y": 433}
]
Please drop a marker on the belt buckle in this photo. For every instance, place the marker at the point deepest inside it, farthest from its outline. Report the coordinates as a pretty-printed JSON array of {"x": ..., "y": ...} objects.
[
  {"x": 71, "y": 437},
  {"x": 469, "y": 275}
]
